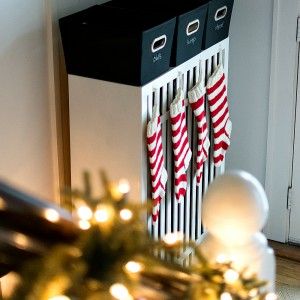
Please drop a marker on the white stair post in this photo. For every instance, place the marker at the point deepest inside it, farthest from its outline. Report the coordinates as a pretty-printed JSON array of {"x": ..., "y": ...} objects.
[{"x": 235, "y": 209}]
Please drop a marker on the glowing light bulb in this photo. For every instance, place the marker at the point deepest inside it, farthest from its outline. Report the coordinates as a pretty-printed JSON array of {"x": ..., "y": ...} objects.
[
  {"x": 51, "y": 215},
  {"x": 226, "y": 296},
  {"x": 253, "y": 292},
  {"x": 133, "y": 267},
  {"x": 84, "y": 224},
  {"x": 221, "y": 258},
  {"x": 101, "y": 215},
  {"x": 120, "y": 292},
  {"x": 126, "y": 214},
  {"x": 59, "y": 298},
  {"x": 173, "y": 238},
  {"x": 231, "y": 276},
  {"x": 123, "y": 186},
  {"x": 84, "y": 213},
  {"x": 21, "y": 240},
  {"x": 271, "y": 296}
]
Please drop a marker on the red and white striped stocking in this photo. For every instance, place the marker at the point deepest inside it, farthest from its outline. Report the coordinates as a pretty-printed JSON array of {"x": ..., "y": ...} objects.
[
  {"x": 181, "y": 148},
  {"x": 158, "y": 172},
  {"x": 218, "y": 104},
  {"x": 196, "y": 99}
]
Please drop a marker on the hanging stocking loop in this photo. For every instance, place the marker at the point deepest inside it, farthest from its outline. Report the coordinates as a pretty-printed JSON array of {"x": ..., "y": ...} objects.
[
  {"x": 180, "y": 80},
  {"x": 220, "y": 55},
  {"x": 155, "y": 100},
  {"x": 200, "y": 73}
]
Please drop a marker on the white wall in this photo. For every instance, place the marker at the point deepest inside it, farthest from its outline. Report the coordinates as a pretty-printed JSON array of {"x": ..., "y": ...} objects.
[
  {"x": 248, "y": 85},
  {"x": 25, "y": 152}
]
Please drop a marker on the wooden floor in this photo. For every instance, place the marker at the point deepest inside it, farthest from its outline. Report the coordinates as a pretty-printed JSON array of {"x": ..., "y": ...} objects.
[{"x": 287, "y": 263}]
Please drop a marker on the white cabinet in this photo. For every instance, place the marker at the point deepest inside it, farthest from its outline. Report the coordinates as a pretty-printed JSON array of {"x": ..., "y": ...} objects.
[{"x": 108, "y": 132}]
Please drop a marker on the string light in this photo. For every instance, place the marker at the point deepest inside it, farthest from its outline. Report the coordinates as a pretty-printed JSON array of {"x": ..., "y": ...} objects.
[
  {"x": 84, "y": 224},
  {"x": 21, "y": 240},
  {"x": 253, "y": 292},
  {"x": 226, "y": 296},
  {"x": 60, "y": 298},
  {"x": 84, "y": 212},
  {"x": 126, "y": 214},
  {"x": 123, "y": 186},
  {"x": 120, "y": 292},
  {"x": 271, "y": 296},
  {"x": 51, "y": 215},
  {"x": 231, "y": 276},
  {"x": 173, "y": 238},
  {"x": 222, "y": 258},
  {"x": 101, "y": 214},
  {"x": 120, "y": 190},
  {"x": 133, "y": 267}
]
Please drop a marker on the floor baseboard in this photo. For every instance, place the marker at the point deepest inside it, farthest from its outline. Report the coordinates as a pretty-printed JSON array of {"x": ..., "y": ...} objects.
[{"x": 285, "y": 250}]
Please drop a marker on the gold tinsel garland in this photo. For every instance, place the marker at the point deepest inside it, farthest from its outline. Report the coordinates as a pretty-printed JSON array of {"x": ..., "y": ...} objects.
[{"x": 114, "y": 258}]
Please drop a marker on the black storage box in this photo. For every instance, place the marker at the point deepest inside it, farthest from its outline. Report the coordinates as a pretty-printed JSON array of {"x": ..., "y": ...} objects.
[
  {"x": 190, "y": 23},
  {"x": 117, "y": 45},
  {"x": 218, "y": 21}
]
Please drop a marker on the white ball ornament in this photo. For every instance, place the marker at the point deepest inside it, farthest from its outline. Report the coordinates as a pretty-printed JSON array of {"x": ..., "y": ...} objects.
[
  {"x": 234, "y": 206},
  {"x": 234, "y": 211}
]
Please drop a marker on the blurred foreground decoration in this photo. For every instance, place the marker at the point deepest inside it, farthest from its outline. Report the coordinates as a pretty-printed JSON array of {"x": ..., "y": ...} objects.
[
  {"x": 29, "y": 226},
  {"x": 113, "y": 257}
]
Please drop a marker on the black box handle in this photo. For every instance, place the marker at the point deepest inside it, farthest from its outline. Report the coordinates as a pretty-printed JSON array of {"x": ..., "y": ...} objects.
[
  {"x": 192, "y": 27},
  {"x": 158, "y": 43},
  {"x": 220, "y": 13}
]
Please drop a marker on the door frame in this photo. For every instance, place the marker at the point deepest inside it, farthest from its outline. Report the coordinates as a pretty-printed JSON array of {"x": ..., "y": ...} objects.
[
  {"x": 282, "y": 97},
  {"x": 293, "y": 234}
]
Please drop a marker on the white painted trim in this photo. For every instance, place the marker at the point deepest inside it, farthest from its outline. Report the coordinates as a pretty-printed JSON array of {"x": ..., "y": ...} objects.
[
  {"x": 53, "y": 92},
  {"x": 281, "y": 116}
]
